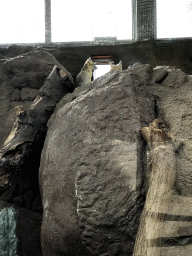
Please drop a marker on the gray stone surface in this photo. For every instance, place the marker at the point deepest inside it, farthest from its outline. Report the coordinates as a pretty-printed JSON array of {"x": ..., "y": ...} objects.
[
  {"x": 21, "y": 77},
  {"x": 175, "y": 78},
  {"x": 28, "y": 94},
  {"x": 94, "y": 153},
  {"x": 174, "y": 101},
  {"x": 141, "y": 72},
  {"x": 16, "y": 95},
  {"x": 83, "y": 168},
  {"x": 92, "y": 167}
]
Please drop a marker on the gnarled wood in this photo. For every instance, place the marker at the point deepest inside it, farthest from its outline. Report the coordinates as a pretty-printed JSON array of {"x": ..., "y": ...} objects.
[
  {"x": 31, "y": 123},
  {"x": 162, "y": 178}
]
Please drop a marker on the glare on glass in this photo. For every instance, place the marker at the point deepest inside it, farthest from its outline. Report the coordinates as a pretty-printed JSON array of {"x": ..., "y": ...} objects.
[
  {"x": 100, "y": 71},
  {"x": 174, "y": 18},
  {"x": 84, "y": 20},
  {"x": 22, "y": 21}
]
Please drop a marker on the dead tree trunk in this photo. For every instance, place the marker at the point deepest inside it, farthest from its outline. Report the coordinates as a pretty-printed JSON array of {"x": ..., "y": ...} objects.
[
  {"x": 162, "y": 179},
  {"x": 31, "y": 124}
]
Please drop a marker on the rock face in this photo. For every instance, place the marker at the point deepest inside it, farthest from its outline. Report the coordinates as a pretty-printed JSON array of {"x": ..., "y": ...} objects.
[
  {"x": 174, "y": 100},
  {"x": 92, "y": 167},
  {"x": 20, "y": 79}
]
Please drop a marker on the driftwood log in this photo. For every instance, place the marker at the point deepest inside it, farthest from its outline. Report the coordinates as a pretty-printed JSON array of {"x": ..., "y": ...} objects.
[
  {"x": 30, "y": 125},
  {"x": 162, "y": 179}
]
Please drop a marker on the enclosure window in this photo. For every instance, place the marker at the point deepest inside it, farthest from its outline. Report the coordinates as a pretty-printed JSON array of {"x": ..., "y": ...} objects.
[
  {"x": 174, "y": 18},
  {"x": 102, "y": 65},
  {"x": 101, "y": 70},
  {"x": 22, "y": 21},
  {"x": 90, "y": 21}
]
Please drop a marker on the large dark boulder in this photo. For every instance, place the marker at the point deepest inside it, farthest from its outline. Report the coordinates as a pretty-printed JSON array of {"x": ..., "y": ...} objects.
[
  {"x": 20, "y": 79},
  {"x": 93, "y": 166},
  {"x": 93, "y": 173}
]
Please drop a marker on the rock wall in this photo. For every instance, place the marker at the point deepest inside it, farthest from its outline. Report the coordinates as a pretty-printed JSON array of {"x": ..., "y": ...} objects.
[
  {"x": 20, "y": 79},
  {"x": 93, "y": 170},
  {"x": 93, "y": 165},
  {"x": 174, "y": 99},
  {"x": 172, "y": 52}
]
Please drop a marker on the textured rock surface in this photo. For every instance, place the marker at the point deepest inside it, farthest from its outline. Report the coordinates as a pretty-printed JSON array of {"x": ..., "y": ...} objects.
[
  {"x": 28, "y": 94},
  {"x": 88, "y": 175},
  {"x": 19, "y": 78},
  {"x": 174, "y": 101},
  {"x": 91, "y": 156},
  {"x": 92, "y": 167}
]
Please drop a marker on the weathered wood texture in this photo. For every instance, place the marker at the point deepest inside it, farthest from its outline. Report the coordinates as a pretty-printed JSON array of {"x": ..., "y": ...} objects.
[
  {"x": 31, "y": 124},
  {"x": 162, "y": 179}
]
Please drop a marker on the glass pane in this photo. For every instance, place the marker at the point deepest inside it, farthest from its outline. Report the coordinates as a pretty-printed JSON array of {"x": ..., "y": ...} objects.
[
  {"x": 22, "y": 21},
  {"x": 174, "y": 18},
  {"x": 85, "y": 20},
  {"x": 100, "y": 71}
]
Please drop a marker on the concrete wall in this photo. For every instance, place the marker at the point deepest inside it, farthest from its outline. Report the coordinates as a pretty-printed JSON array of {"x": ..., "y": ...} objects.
[{"x": 176, "y": 53}]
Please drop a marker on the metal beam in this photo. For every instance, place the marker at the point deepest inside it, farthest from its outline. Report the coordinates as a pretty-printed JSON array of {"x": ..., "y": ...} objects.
[
  {"x": 144, "y": 19},
  {"x": 47, "y": 21}
]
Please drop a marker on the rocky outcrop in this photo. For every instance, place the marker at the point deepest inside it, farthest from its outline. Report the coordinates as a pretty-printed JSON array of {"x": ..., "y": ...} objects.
[
  {"x": 94, "y": 164},
  {"x": 174, "y": 100},
  {"x": 93, "y": 170},
  {"x": 21, "y": 78},
  {"x": 92, "y": 167}
]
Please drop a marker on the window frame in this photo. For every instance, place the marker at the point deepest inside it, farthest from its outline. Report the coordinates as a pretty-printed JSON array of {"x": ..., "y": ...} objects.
[{"x": 138, "y": 33}]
